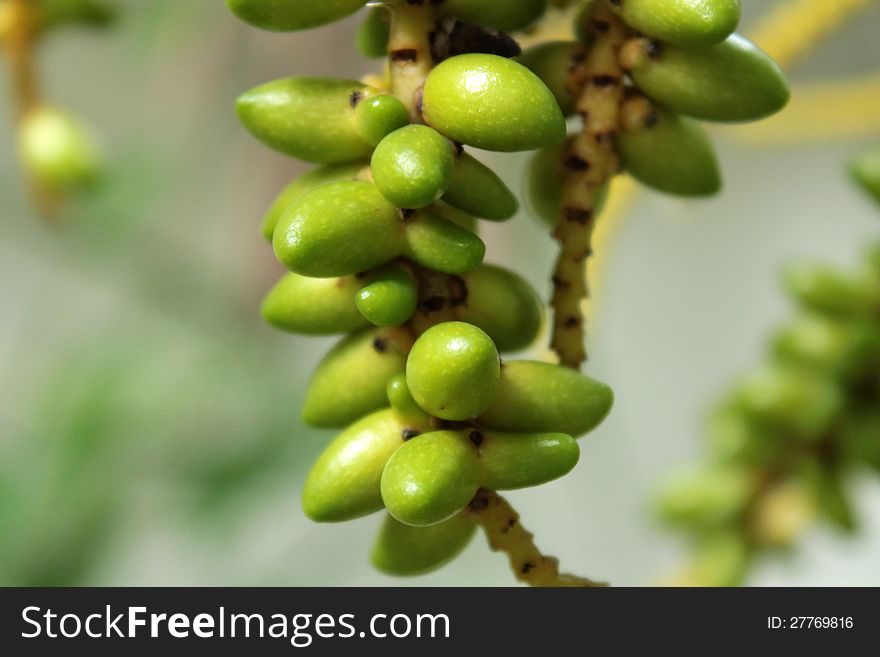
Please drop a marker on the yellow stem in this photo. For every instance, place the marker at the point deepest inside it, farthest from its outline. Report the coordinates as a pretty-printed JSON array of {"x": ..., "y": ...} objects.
[{"x": 409, "y": 53}]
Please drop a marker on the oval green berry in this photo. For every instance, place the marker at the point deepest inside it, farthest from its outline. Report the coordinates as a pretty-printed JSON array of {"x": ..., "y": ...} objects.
[
  {"x": 706, "y": 498},
  {"x": 730, "y": 81},
  {"x": 379, "y": 116},
  {"x": 683, "y": 22},
  {"x": 404, "y": 550},
  {"x": 345, "y": 481},
  {"x": 551, "y": 62},
  {"x": 459, "y": 217},
  {"x": 519, "y": 460},
  {"x": 453, "y": 370},
  {"x": 92, "y": 13},
  {"x": 492, "y": 103},
  {"x": 292, "y": 15},
  {"x": 389, "y": 296},
  {"x": 312, "y": 119},
  {"x": 58, "y": 151},
  {"x": 670, "y": 153},
  {"x": 412, "y": 166},
  {"x": 865, "y": 170},
  {"x": 840, "y": 348},
  {"x": 405, "y": 407},
  {"x": 478, "y": 190},
  {"x": 372, "y": 36},
  {"x": 737, "y": 436},
  {"x": 504, "y": 305},
  {"x": 431, "y": 478},
  {"x": 828, "y": 291},
  {"x": 314, "y": 306},
  {"x": 543, "y": 397},
  {"x": 441, "y": 244},
  {"x": 507, "y": 15},
  {"x": 315, "y": 178},
  {"x": 351, "y": 380}
]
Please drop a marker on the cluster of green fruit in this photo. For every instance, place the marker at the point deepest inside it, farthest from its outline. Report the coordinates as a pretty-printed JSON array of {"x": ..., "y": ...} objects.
[{"x": 56, "y": 150}]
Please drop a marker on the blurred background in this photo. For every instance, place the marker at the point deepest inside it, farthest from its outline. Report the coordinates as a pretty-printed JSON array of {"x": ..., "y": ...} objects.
[{"x": 149, "y": 429}]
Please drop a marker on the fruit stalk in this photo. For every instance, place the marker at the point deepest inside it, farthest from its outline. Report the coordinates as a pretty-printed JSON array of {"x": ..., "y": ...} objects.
[
  {"x": 409, "y": 52},
  {"x": 596, "y": 79}
]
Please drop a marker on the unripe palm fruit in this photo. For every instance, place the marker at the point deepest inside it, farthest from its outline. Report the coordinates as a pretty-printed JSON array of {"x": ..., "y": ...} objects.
[
  {"x": 542, "y": 397},
  {"x": 545, "y": 182},
  {"x": 431, "y": 478},
  {"x": 372, "y": 36},
  {"x": 706, "y": 498},
  {"x": 476, "y": 189},
  {"x": 840, "y": 348},
  {"x": 315, "y": 178},
  {"x": 412, "y": 166},
  {"x": 389, "y": 296},
  {"x": 459, "y": 217},
  {"x": 292, "y": 15},
  {"x": 314, "y": 306},
  {"x": 402, "y": 403},
  {"x": 441, "y": 244},
  {"x": 834, "y": 501},
  {"x": 828, "y": 291},
  {"x": 667, "y": 152},
  {"x": 519, "y": 460},
  {"x": 379, "y": 116},
  {"x": 506, "y": 15},
  {"x": 54, "y": 13},
  {"x": 312, "y": 119},
  {"x": 860, "y": 438},
  {"x": 865, "y": 169},
  {"x": 551, "y": 62},
  {"x": 730, "y": 81},
  {"x": 504, "y": 305},
  {"x": 453, "y": 370},
  {"x": 58, "y": 151},
  {"x": 404, "y": 550},
  {"x": 351, "y": 380},
  {"x": 738, "y": 437},
  {"x": 492, "y": 103},
  {"x": 721, "y": 559},
  {"x": 344, "y": 482},
  {"x": 683, "y": 22}
]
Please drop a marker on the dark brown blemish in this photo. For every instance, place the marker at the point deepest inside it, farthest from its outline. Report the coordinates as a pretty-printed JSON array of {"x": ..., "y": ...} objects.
[
  {"x": 603, "y": 81},
  {"x": 355, "y": 98},
  {"x": 576, "y": 163},
  {"x": 404, "y": 55},
  {"x": 380, "y": 345},
  {"x": 572, "y": 322},
  {"x": 476, "y": 437},
  {"x": 409, "y": 434},
  {"x": 578, "y": 215},
  {"x": 527, "y": 567}
]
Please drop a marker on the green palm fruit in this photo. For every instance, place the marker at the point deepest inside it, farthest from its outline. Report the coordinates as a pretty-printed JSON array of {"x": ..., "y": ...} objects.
[
  {"x": 842, "y": 348},
  {"x": 412, "y": 166},
  {"x": 707, "y": 497},
  {"x": 314, "y": 306},
  {"x": 476, "y": 189},
  {"x": 861, "y": 438},
  {"x": 865, "y": 169},
  {"x": 93, "y": 13},
  {"x": 351, "y": 380},
  {"x": 826, "y": 290},
  {"x": 315, "y": 178},
  {"x": 721, "y": 559},
  {"x": 730, "y": 81},
  {"x": 405, "y": 407},
  {"x": 504, "y": 305},
  {"x": 543, "y": 397},
  {"x": 683, "y": 22},
  {"x": 312, "y": 119},
  {"x": 667, "y": 152},
  {"x": 441, "y": 244},
  {"x": 792, "y": 398},
  {"x": 492, "y": 103},
  {"x": 292, "y": 15},
  {"x": 736, "y": 436},
  {"x": 459, "y": 217},
  {"x": 551, "y": 62},
  {"x": 832, "y": 498},
  {"x": 453, "y": 370},
  {"x": 344, "y": 482},
  {"x": 519, "y": 460},
  {"x": 58, "y": 151},
  {"x": 404, "y": 550},
  {"x": 379, "y": 116},
  {"x": 389, "y": 296},
  {"x": 507, "y": 15},
  {"x": 431, "y": 478},
  {"x": 372, "y": 36}
]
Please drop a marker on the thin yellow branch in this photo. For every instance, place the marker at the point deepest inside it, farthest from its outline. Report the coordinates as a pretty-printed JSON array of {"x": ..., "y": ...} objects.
[{"x": 409, "y": 53}]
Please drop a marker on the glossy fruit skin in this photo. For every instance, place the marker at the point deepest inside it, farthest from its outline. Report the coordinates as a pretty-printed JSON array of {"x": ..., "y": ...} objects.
[
  {"x": 452, "y": 371},
  {"x": 506, "y": 15},
  {"x": 315, "y": 178},
  {"x": 541, "y": 397},
  {"x": 403, "y": 550},
  {"x": 314, "y": 306},
  {"x": 440, "y": 244},
  {"x": 731, "y": 81},
  {"x": 292, "y": 15},
  {"x": 551, "y": 61},
  {"x": 492, "y": 103},
  {"x": 372, "y": 36},
  {"x": 57, "y": 150},
  {"x": 865, "y": 170},
  {"x": 379, "y": 116},
  {"x": 672, "y": 154},
  {"x": 344, "y": 482},
  {"x": 351, "y": 380},
  {"x": 682, "y": 22},
  {"x": 504, "y": 305},
  {"x": 519, "y": 460},
  {"x": 311, "y": 119},
  {"x": 389, "y": 296},
  {"x": 412, "y": 166},
  {"x": 476, "y": 189},
  {"x": 431, "y": 478}
]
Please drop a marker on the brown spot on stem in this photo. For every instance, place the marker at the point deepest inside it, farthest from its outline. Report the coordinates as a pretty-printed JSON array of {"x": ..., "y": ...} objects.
[{"x": 406, "y": 55}]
